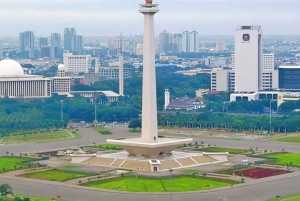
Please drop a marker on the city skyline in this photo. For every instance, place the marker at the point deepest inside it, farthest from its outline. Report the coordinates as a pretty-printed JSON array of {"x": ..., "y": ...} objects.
[{"x": 214, "y": 17}]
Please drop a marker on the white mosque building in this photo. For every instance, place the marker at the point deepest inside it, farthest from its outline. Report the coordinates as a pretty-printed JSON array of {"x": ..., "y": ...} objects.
[{"x": 14, "y": 83}]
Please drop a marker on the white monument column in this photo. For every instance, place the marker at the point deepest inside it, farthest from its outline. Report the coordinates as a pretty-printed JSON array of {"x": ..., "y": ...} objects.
[
  {"x": 167, "y": 98},
  {"x": 149, "y": 104},
  {"x": 121, "y": 68}
]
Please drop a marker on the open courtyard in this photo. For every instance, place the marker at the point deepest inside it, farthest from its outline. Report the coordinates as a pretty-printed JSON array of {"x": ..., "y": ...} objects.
[{"x": 153, "y": 185}]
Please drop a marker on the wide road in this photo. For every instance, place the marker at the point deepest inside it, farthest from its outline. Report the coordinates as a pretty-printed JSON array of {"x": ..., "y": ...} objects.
[
  {"x": 258, "y": 190},
  {"x": 89, "y": 136}
]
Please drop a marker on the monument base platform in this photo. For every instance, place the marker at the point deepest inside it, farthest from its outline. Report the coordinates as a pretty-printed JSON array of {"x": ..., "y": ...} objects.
[
  {"x": 176, "y": 160},
  {"x": 138, "y": 147}
]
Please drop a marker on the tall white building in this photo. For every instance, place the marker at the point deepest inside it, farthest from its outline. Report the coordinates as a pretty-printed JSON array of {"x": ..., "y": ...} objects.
[
  {"x": 248, "y": 59},
  {"x": 76, "y": 63},
  {"x": 190, "y": 41},
  {"x": 268, "y": 61}
]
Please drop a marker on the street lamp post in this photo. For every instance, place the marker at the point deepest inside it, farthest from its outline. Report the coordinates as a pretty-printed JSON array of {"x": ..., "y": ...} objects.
[
  {"x": 171, "y": 196},
  {"x": 61, "y": 110}
]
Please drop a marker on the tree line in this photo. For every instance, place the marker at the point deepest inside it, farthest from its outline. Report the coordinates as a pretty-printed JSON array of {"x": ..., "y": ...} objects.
[{"x": 17, "y": 115}]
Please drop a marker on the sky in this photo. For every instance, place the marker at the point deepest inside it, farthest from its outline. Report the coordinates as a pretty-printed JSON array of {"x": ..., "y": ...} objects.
[{"x": 109, "y": 17}]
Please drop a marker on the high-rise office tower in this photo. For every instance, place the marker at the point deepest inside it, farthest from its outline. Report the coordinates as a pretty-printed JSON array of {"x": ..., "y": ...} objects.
[
  {"x": 177, "y": 43},
  {"x": 79, "y": 44},
  {"x": 55, "y": 45},
  {"x": 55, "y": 40},
  {"x": 248, "y": 59},
  {"x": 165, "y": 42},
  {"x": 27, "y": 43},
  {"x": 43, "y": 42},
  {"x": 190, "y": 41},
  {"x": 70, "y": 39},
  {"x": 220, "y": 46}
]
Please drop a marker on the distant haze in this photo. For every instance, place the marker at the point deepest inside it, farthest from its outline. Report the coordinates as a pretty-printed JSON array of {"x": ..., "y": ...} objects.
[{"x": 109, "y": 17}]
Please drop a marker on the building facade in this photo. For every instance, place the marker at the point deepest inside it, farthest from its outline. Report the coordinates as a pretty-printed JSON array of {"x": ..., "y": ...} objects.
[
  {"x": 289, "y": 78},
  {"x": 61, "y": 83},
  {"x": 27, "y": 43},
  {"x": 190, "y": 41},
  {"x": 268, "y": 61},
  {"x": 112, "y": 72},
  {"x": 55, "y": 45},
  {"x": 14, "y": 83},
  {"x": 69, "y": 39},
  {"x": 248, "y": 59},
  {"x": 76, "y": 63}
]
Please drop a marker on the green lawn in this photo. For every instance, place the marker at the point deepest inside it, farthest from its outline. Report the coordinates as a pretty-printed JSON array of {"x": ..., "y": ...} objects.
[
  {"x": 179, "y": 184},
  {"x": 283, "y": 158},
  {"x": 11, "y": 198},
  {"x": 102, "y": 130},
  {"x": 292, "y": 139},
  {"x": 42, "y": 137},
  {"x": 108, "y": 146},
  {"x": 9, "y": 163},
  {"x": 291, "y": 197},
  {"x": 191, "y": 171},
  {"x": 223, "y": 149},
  {"x": 57, "y": 175}
]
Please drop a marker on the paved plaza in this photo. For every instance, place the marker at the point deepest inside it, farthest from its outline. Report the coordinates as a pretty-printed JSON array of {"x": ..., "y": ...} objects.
[{"x": 259, "y": 190}]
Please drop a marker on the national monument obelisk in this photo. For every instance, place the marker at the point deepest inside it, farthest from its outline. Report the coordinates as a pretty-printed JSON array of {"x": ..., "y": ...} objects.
[
  {"x": 149, "y": 102},
  {"x": 149, "y": 144}
]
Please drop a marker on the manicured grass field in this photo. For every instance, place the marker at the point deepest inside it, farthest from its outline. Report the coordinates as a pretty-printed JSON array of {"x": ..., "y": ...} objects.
[
  {"x": 284, "y": 158},
  {"x": 9, "y": 163},
  {"x": 292, "y": 139},
  {"x": 191, "y": 171},
  {"x": 179, "y": 184},
  {"x": 223, "y": 149},
  {"x": 291, "y": 197},
  {"x": 57, "y": 175},
  {"x": 42, "y": 137},
  {"x": 107, "y": 146},
  {"x": 102, "y": 130}
]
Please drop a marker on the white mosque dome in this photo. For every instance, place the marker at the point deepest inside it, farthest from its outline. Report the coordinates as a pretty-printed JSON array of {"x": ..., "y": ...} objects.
[
  {"x": 61, "y": 67},
  {"x": 10, "y": 68}
]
